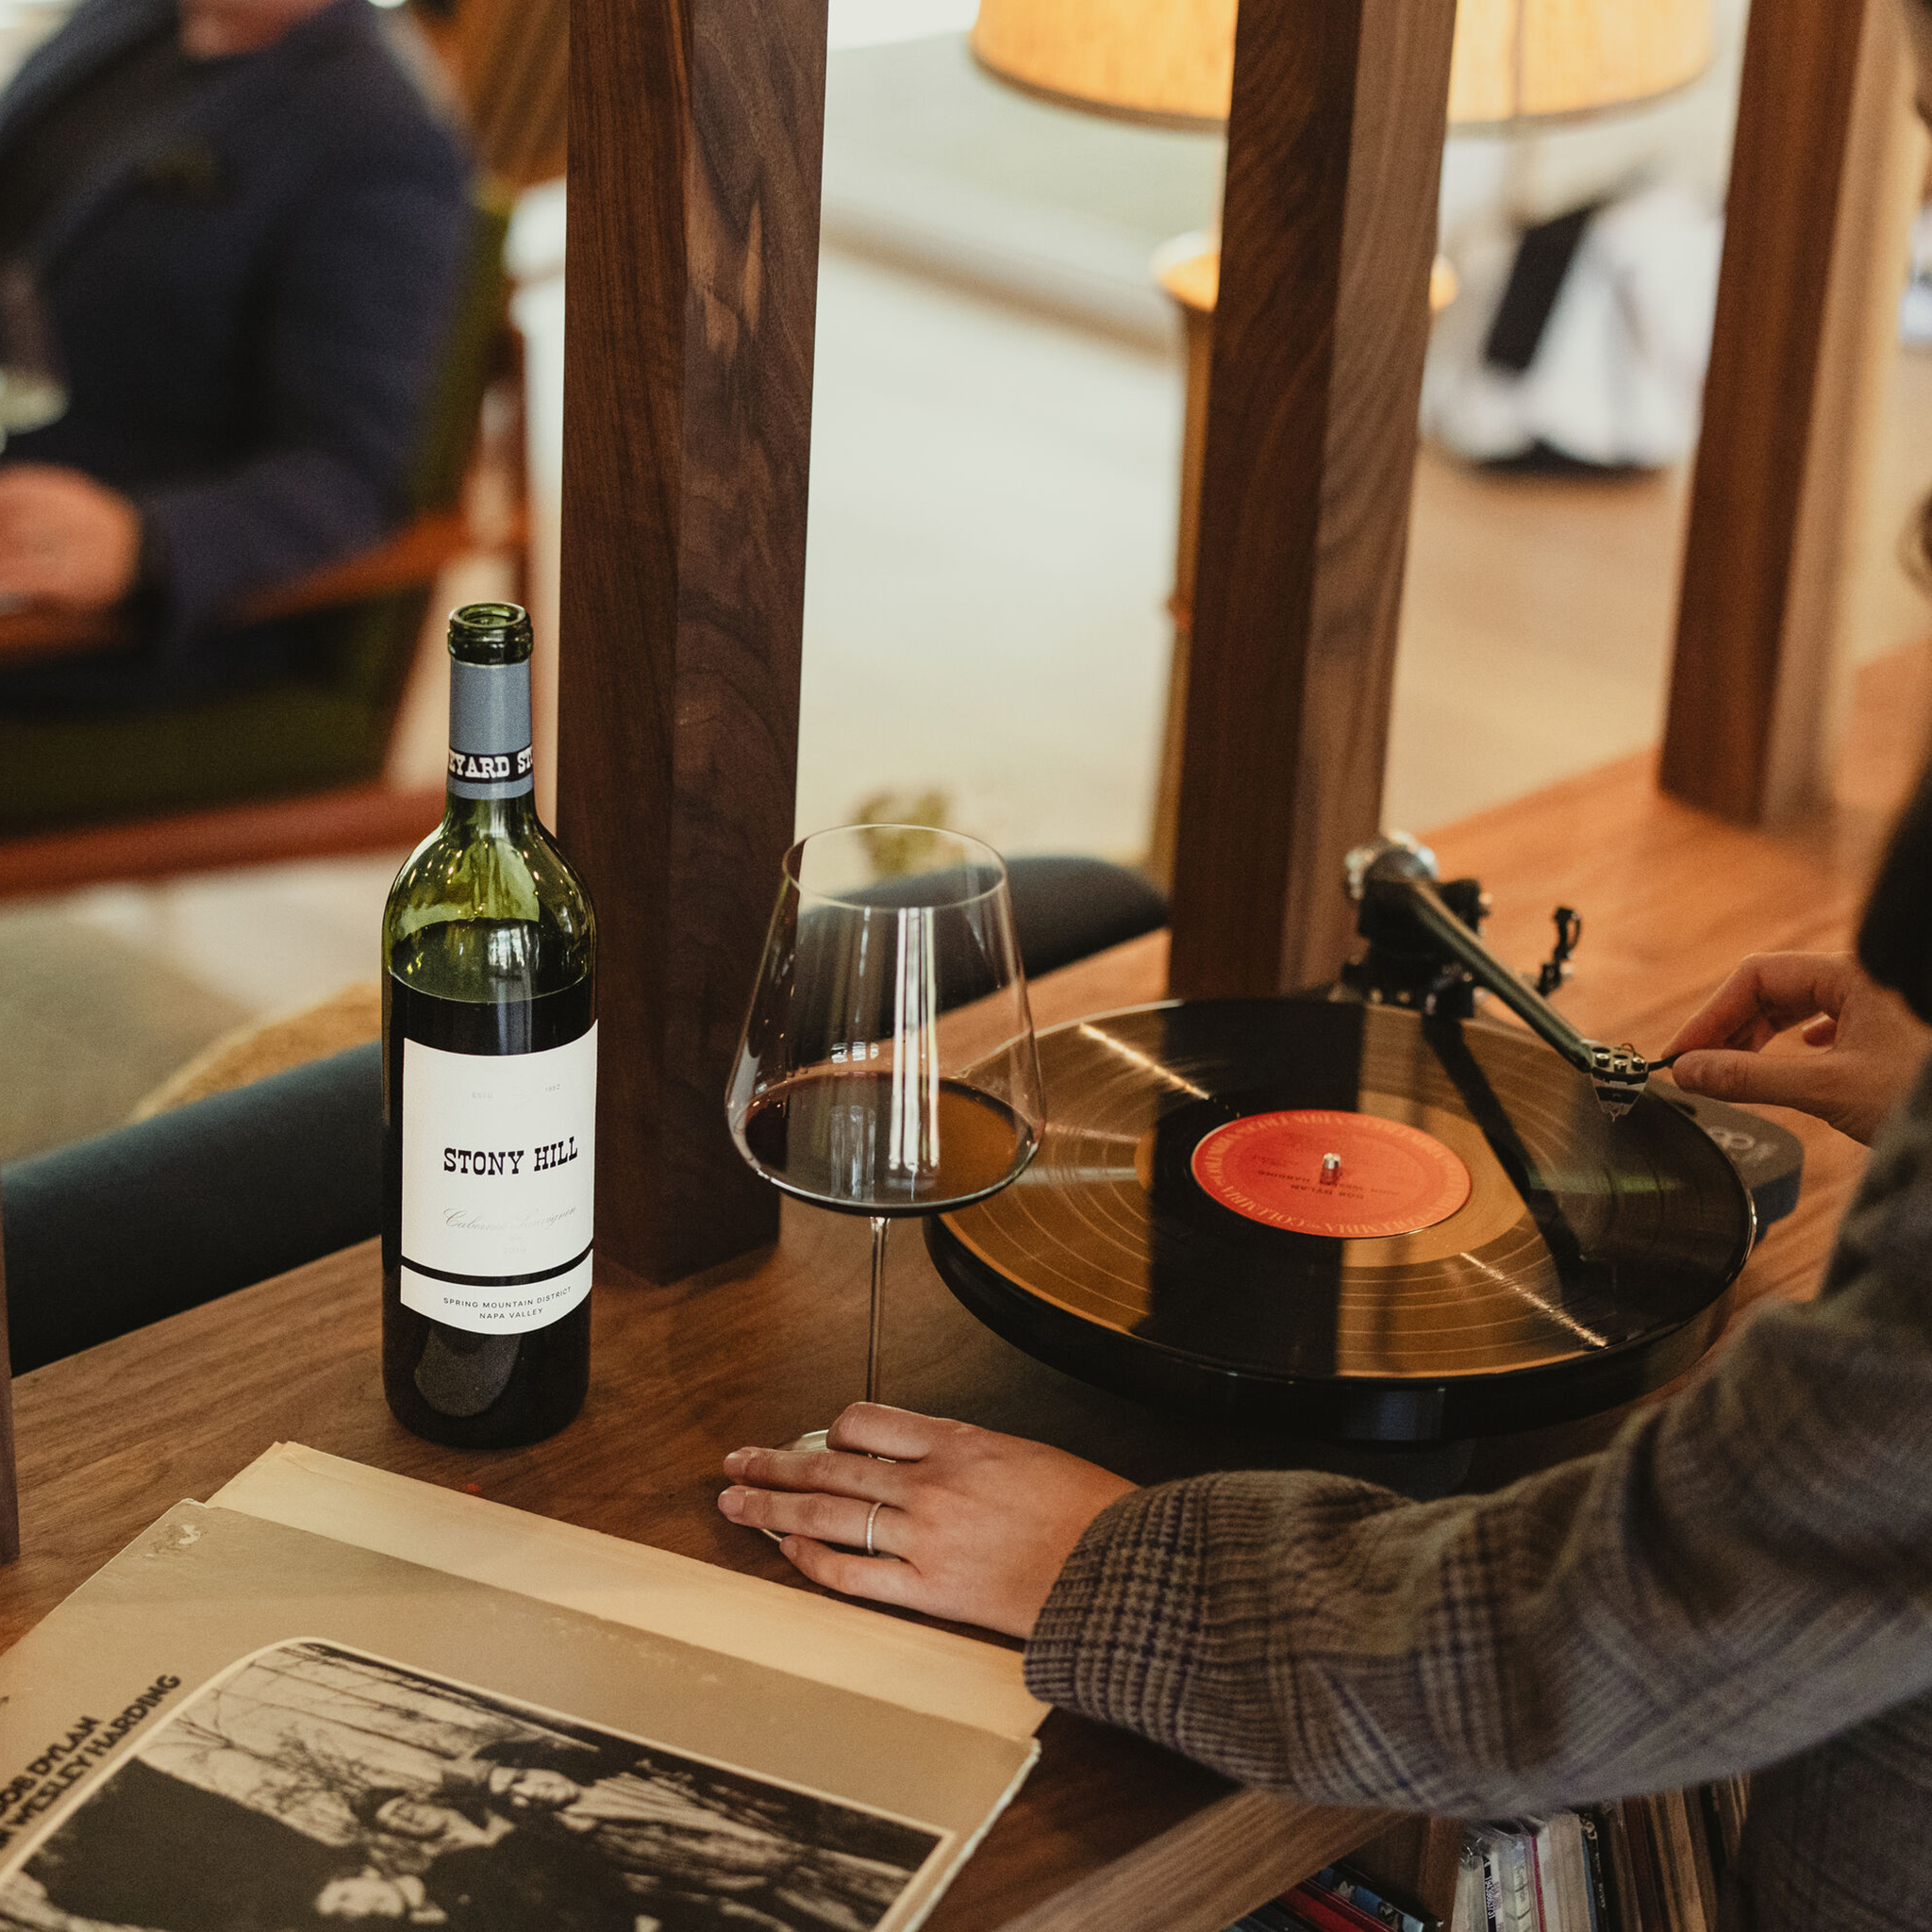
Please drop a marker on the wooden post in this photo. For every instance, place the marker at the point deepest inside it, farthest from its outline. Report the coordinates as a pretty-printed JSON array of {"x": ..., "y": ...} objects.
[
  {"x": 513, "y": 64},
  {"x": 1335, "y": 145},
  {"x": 9, "y": 1485},
  {"x": 695, "y": 136},
  {"x": 1192, "y": 279},
  {"x": 1826, "y": 174}
]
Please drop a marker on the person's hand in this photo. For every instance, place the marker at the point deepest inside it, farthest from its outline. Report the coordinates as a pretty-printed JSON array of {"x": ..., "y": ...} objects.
[
  {"x": 982, "y": 1524},
  {"x": 1867, "y": 1045},
  {"x": 65, "y": 538}
]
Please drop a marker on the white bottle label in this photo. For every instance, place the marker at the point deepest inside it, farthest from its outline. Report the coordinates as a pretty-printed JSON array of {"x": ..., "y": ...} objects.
[{"x": 498, "y": 1155}]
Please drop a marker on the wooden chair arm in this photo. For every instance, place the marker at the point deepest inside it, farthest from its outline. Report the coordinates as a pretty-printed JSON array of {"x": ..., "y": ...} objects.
[
  {"x": 46, "y": 630},
  {"x": 414, "y": 556}
]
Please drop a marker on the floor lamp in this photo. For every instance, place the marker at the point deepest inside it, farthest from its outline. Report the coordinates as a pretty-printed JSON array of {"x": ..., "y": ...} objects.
[{"x": 1170, "y": 63}]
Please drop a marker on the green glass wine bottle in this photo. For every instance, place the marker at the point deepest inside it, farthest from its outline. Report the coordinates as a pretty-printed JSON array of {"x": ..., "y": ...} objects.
[{"x": 489, "y": 1064}]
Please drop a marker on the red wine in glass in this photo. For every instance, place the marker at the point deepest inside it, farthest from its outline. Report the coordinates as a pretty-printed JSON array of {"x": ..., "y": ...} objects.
[{"x": 815, "y": 1136}]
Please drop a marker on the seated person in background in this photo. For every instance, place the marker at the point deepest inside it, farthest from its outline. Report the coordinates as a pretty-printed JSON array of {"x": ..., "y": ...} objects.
[{"x": 245, "y": 223}]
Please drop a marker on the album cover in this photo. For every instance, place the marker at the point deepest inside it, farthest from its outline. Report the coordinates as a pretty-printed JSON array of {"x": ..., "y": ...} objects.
[
  {"x": 804, "y": 1633},
  {"x": 237, "y": 1726}
]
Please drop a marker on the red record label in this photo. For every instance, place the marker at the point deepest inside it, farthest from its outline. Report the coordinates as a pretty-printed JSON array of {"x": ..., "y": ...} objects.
[{"x": 1351, "y": 1175}]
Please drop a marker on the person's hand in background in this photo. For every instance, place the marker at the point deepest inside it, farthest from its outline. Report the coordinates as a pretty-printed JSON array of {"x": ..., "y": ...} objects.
[
  {"x": 1866, "y": 1043},
  {"x": 65, "y": 538}
]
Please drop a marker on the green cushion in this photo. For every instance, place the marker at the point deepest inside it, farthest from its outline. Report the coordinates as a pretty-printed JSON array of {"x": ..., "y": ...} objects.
[
  {"x": 291, "y": 736},
  {"x": 282, "y": 739}
]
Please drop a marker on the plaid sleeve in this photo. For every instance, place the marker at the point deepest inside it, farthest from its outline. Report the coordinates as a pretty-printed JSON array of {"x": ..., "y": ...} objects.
[{"x": 1745, "y": 1570}]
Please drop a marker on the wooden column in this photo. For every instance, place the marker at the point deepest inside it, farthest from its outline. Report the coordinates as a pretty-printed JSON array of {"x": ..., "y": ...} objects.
[
  {"x": 695, "y": 133},
  {"x": 1825, "y": 176},
  {"x": 1335, "y": 144},
  {"x": 1192, "y": 282},
  {"x": 513, "y": 64}
]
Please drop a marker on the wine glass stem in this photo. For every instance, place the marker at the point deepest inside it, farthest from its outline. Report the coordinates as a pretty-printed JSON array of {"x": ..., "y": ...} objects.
[{"x": 879, "y": 1224}]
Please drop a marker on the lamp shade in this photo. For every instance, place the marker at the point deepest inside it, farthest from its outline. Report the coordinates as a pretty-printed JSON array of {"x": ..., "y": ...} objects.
[{"x": 1172, "y": 61}]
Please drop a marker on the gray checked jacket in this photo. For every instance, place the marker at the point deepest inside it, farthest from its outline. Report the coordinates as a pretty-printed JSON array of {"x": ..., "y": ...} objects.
[{"x": 1743, "y": 1581}]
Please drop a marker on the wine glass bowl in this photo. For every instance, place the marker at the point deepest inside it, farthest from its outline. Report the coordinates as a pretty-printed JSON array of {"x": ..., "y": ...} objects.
[
  {"x": 33, "y": 389},
  {"x": 887, "y": 1065}
]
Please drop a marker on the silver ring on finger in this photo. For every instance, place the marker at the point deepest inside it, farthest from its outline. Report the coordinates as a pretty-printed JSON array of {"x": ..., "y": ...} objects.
[{"x": 872, "y": 1549}]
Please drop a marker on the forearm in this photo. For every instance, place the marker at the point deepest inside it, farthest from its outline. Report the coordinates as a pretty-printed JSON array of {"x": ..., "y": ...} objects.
[
  {"x": 214, "y": 541},
  {"x": 360, "y": 314},
  {"x": 1741, "y": 1573}
]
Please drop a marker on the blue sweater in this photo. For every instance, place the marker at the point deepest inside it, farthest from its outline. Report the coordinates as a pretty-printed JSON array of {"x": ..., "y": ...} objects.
[{"x": 251, "y": 298}]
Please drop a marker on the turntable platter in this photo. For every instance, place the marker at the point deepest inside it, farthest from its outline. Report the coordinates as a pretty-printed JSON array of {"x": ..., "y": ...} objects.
[{"x": 1351, "y": 1222}]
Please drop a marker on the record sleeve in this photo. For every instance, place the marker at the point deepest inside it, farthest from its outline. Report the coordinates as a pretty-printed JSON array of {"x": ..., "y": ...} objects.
[{"x": 244, "y": 1726}]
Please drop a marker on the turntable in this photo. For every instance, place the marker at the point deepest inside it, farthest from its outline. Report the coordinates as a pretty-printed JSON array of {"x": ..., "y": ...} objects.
[{"x": 1365, "y": 1214}]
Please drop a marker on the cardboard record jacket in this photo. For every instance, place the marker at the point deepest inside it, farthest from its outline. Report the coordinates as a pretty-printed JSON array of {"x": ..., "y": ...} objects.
[{"x": 1350, "y": 1221}]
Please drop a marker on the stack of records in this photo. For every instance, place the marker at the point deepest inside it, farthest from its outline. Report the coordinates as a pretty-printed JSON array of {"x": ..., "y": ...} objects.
[{"x": 1653, "y": 1864}]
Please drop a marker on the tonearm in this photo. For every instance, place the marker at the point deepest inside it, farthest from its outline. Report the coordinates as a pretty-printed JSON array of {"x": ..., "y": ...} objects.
[{"x": 1424, "y": 951}]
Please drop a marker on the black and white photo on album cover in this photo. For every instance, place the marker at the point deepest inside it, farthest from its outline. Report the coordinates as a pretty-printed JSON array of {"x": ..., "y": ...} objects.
[{"x": 314, "y": 1786}]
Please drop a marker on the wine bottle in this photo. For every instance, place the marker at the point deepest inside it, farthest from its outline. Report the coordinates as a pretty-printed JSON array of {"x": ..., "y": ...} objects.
[{"x": 489, "y": 1064}]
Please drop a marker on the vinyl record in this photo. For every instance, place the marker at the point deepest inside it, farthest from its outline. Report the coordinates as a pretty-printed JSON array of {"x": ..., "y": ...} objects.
[{"x": 1350, "y": 1221}]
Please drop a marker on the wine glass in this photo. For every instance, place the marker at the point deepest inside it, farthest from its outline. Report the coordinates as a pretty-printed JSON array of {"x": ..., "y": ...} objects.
[
  {"x": 887, "y": 1064},
  {"x": 33, "y": 389}
]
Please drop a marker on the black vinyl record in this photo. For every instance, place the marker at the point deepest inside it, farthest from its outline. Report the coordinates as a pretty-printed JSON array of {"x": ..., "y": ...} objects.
[{"x": 1350, "y": 1221}]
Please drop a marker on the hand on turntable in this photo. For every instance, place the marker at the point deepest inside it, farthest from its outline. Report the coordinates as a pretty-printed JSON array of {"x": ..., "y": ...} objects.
[
  {"x": 1868, "y": 1044},
  {"x": 982, "y": 1524}
]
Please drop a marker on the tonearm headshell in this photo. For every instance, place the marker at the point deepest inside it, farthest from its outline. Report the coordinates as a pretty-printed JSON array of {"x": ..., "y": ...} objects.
[{"x": 1425, "y": 951}]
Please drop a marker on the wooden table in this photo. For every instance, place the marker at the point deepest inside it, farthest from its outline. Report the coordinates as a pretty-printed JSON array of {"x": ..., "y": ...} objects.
[
  {"x": 1109, "y": 1831},
  {"x": 110, "y": 1439}
]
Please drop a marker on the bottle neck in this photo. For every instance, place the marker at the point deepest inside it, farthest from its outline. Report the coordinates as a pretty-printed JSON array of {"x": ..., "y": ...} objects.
[
  {"x": 490, "y": 818},
  {"x": 491, "y": 780}
]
